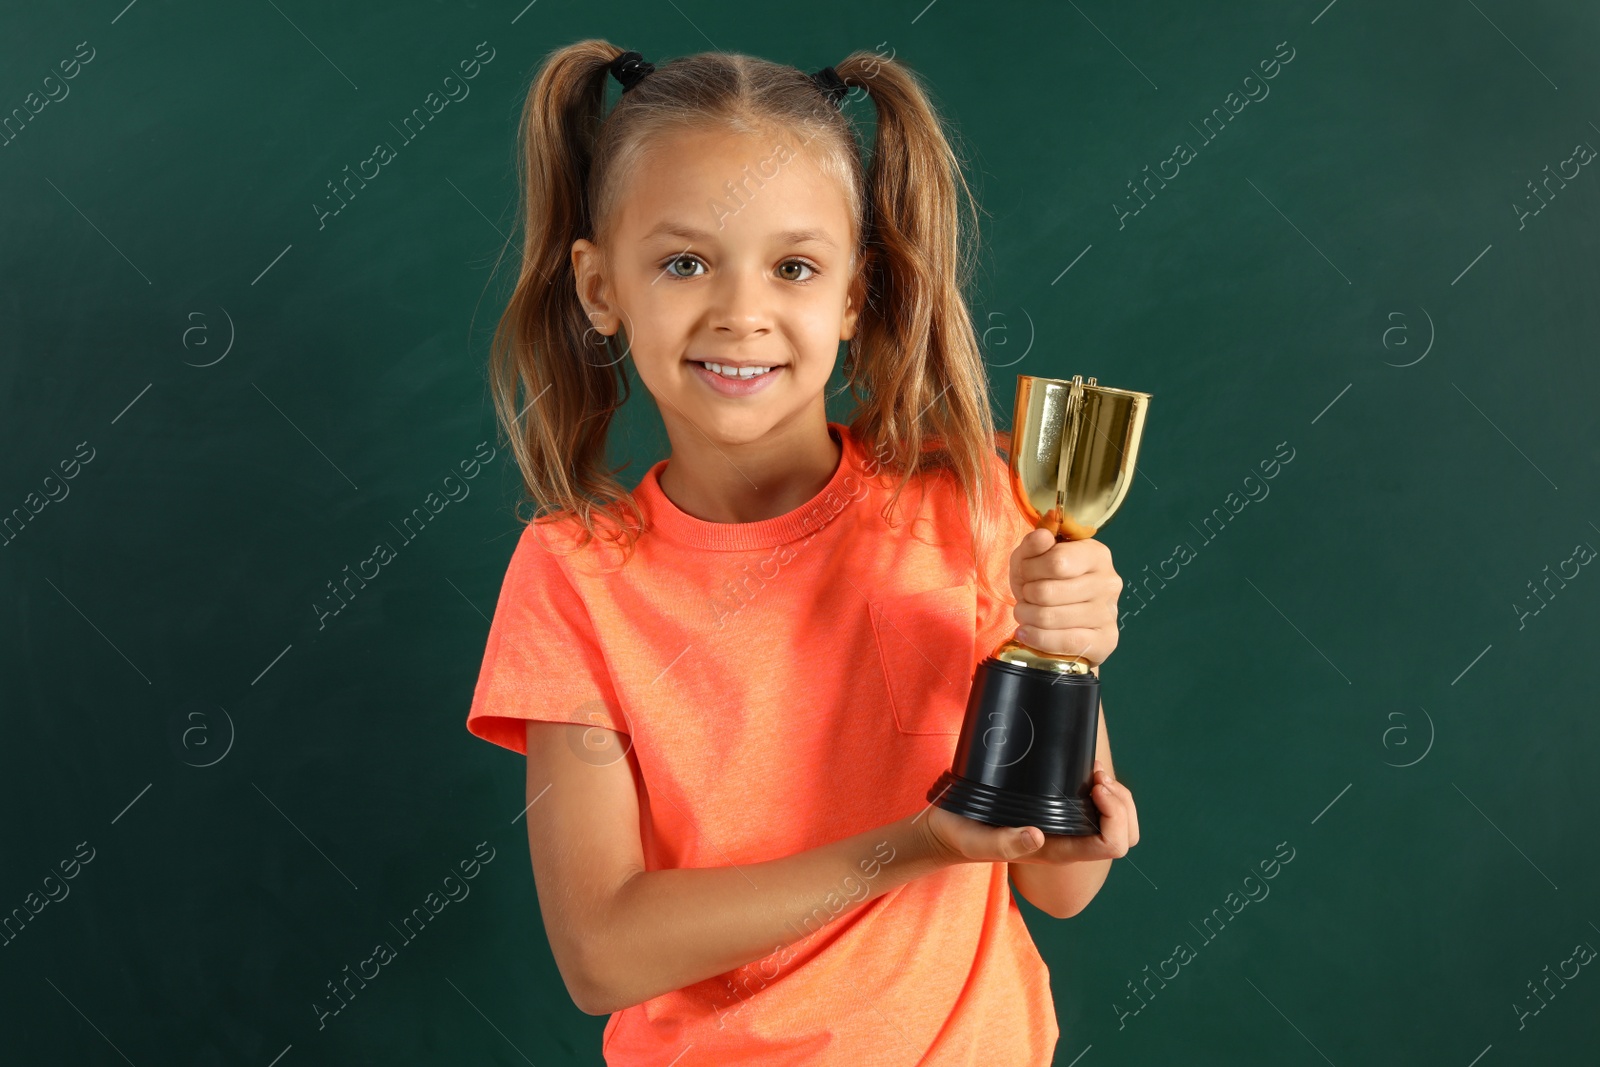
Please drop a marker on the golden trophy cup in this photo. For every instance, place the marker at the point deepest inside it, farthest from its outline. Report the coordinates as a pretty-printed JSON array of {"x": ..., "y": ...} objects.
[{"x": 1025, "y": 756}]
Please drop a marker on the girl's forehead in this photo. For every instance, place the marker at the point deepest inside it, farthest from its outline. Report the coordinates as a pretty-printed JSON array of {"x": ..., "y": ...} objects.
[
  {"x": 719, "y": 181},
  {"x": 756, "y": 141}
]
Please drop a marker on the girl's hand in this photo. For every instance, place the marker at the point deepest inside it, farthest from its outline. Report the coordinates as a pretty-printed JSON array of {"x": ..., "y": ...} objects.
[
  {"x": 1066, "y": 595},
  {"x": 958, "y": 839}
]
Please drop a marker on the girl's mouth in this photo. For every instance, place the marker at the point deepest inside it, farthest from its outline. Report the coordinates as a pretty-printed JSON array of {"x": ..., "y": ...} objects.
[{"x": 731, "y": 386}]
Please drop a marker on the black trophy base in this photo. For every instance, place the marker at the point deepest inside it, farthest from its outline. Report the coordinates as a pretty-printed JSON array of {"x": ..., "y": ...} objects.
[{"x": 1025, "y": 756}]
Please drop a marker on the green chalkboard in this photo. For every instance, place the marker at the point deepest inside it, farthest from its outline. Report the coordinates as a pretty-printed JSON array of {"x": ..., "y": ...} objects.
[{"x": 1349, "y": 244}]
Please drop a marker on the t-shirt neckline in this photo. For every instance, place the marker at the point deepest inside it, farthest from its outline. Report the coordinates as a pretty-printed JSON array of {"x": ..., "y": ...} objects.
[{"x": 663, "y": 515}]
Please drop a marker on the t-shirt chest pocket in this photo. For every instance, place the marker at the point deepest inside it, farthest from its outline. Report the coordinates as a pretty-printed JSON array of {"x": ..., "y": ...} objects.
[{"x": 925, "y": 642}]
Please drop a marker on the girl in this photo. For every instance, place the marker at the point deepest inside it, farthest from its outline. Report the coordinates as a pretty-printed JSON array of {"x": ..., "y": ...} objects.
[{"x": 735, "y": 684}]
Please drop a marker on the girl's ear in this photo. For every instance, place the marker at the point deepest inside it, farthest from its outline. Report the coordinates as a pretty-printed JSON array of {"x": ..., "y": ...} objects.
[
  {"x": 592, "y": 293},
  {"x": 854, "y": 299}
]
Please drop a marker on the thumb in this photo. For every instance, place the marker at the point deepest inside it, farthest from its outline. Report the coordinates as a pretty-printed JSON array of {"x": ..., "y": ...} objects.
[
  {"x": 957, "y": 836},
  {"x": 1015, "y": 841},
  {"x": 1036, "y": 543}
]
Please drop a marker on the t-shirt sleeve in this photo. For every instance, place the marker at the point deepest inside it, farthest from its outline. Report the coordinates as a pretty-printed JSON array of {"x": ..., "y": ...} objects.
[{"x": 542, "y": 659}]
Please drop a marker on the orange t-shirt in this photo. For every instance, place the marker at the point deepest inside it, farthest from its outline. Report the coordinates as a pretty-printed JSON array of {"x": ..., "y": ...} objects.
[{"x": 785, "y": 684}]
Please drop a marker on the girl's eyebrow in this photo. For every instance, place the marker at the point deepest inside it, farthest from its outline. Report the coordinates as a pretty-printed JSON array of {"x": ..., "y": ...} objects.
[{"x": 689, "y": 233}]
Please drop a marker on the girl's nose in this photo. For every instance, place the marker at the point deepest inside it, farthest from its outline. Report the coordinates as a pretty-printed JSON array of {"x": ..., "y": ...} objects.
[{"x": 740, "y": 304}]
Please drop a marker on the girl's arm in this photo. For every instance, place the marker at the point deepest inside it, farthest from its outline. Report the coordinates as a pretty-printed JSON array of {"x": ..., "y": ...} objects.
[
  {"x": 621, "y": 935},
  {"x": 1066, "y": 597}
]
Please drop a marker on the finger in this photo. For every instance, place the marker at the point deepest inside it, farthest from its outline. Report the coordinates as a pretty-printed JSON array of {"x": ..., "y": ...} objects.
[
  {"x": 1059, "y": 592},
  {"x": 1001, "y": 844},
  {"x": 1024, "y": 839},
  {"x": 1061, "y": 848},
  {"x": 1066, "y": 559},
  {"x": 1129, "y": 807},
  {"x": 1093, "y": 615},
  {"x": 972, "y": 840},
  {"x": 1091, "y": 586},
  {"x": 1131, "y": 811},
  {"x": 1103, "y": 774},
  {"x": 1060, "y": 560},
  {"x": 1093, "y": 645},
  {"x": 1113, "y": 820},
  {"x": 1033, "y": 544}
]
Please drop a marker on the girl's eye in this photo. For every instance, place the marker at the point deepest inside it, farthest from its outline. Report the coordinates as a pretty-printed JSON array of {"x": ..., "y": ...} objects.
[
  {"x": 692, "y": 261},
  {"x": 803, "y": 265}
]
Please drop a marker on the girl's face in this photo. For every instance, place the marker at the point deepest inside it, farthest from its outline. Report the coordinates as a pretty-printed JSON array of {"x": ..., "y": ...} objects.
[{"x": 728, "y": 249}]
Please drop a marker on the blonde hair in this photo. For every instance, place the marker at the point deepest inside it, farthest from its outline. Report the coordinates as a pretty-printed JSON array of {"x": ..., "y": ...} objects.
[{"x": 913, "y": 365}]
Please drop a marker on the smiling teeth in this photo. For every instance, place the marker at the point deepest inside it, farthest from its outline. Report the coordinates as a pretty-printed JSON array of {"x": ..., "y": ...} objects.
[{"x": 735, "y": 372}]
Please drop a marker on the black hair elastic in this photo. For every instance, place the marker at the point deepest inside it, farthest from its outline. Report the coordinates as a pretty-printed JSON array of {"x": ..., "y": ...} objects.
[
  {"x": 827, "y": 79},
  {"x": 629, "y": 68}
]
